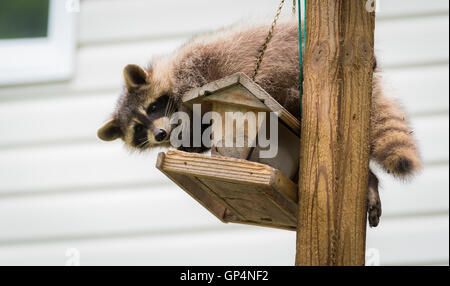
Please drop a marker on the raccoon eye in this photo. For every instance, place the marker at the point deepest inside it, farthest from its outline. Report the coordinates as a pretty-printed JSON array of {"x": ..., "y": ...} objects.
[
  {"x": 138, "y": 128},
  {"x": 158, "y": 104},
  {"x": 152, "y": 108}
]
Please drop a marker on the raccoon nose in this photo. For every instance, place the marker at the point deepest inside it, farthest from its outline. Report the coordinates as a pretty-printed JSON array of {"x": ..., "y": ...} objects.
[{"x": 160, "y": 135}]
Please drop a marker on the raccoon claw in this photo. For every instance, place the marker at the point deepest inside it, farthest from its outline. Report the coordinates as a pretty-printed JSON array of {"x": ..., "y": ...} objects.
[
  {"x": 374, "y": 213},
  {"x": 374, "y": 208},
  {"x": 373, "y": 202}
]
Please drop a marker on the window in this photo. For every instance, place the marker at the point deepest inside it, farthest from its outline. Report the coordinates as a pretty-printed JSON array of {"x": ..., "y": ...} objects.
[{"x": 37, "y": 41}]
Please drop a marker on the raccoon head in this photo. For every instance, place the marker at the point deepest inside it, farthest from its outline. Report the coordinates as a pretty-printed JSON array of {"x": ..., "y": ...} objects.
[{"x": 142, "y": 117}]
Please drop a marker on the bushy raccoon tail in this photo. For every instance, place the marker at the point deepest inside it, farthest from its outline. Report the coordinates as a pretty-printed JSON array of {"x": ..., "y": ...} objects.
[{"x": 393, "y": 144}]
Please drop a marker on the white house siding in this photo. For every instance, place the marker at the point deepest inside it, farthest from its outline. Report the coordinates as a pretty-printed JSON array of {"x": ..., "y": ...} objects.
[{"x": 60, "y": 188}]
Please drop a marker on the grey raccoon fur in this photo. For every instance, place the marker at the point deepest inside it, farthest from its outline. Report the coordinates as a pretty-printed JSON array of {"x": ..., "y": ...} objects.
[{"x": 213, "y": 56}]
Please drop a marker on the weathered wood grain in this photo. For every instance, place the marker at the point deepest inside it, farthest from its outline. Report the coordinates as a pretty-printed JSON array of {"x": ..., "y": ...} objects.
[{"x": 335, "y": 133}]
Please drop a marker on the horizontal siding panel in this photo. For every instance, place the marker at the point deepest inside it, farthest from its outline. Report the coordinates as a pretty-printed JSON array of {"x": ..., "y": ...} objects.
[
  {"x": 412, "y": 41},
  {"x": 422, "y": 90},
  {"x": 432, "y": 133},
  {"x": 405, "y": 8},
  {"x": 164, "y": 208},
  {"x": 75, "y": 167},
  {"x": 74, "y": 118},
  {"x": 66, "y": 119},
  {"x": 416, "y": 241},
  {"x": 426, "y": 193},
  {"x": 231, "y": 247},
  {"x": 151, "y": 18},
  {"x": 100, "y": 163},
  {"x": 412, "y": 241},
  {"x": 158, "y": 208},
  {"x": 100, "y": 67}
]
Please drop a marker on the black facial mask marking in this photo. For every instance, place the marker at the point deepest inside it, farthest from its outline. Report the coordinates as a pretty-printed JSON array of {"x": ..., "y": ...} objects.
[
  {"x": 154, "y": 111},
  {"x": 158, "y": 108},
  {"x": 140, "y": 135}
]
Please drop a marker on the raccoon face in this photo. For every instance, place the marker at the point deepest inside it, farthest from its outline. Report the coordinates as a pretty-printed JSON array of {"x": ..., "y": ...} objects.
[{"x": 142, "y": 118}]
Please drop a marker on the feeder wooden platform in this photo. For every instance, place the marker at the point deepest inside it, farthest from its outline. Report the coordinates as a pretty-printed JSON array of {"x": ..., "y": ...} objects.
[
  {"x": 236, "y": 184},
  {"x": 234, "y": 190}
]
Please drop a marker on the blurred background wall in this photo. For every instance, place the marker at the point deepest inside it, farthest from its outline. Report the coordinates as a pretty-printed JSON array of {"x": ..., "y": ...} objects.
[{"x": 66, "y": 197}]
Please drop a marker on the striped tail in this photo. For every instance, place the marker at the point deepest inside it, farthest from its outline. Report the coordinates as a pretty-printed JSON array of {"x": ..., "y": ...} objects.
[{"x": 393, "y": 144}]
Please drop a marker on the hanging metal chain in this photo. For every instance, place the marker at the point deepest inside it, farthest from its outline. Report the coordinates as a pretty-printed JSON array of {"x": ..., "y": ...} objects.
[
  {"x": 294, "y": 7},
  {"x": 268, "y": 38}
]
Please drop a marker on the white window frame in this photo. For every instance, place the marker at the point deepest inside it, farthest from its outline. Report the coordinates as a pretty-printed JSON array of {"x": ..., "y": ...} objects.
[{"x": 41, "y": 59}]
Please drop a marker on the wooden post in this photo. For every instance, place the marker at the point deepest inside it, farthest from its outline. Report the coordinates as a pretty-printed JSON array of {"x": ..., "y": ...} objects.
[{"x": 334, "y": 152}]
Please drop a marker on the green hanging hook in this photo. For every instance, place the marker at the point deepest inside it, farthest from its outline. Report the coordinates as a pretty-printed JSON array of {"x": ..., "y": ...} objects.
[{"x": 301, "y": 41}]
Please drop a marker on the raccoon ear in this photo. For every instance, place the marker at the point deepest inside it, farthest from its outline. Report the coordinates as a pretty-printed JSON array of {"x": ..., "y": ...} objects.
[
  {"x": 135, "y": 76},
  {"x": 110, "y": 131}
]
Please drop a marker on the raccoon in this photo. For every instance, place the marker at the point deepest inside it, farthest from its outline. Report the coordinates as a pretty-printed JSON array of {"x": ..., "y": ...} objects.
[{"x": 151, "y": 95}]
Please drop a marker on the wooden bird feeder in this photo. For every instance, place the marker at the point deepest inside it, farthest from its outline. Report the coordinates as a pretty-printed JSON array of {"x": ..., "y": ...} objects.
[{"x": 235, "y": 183}]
